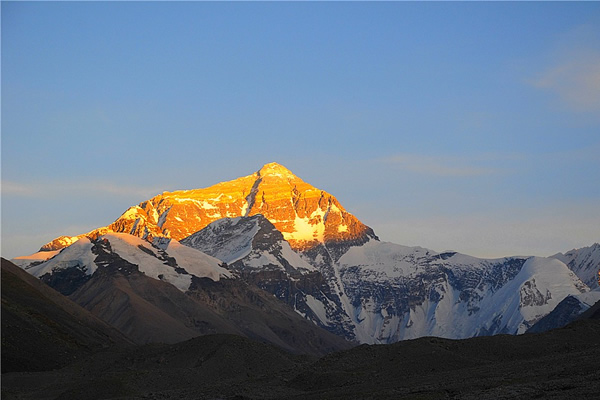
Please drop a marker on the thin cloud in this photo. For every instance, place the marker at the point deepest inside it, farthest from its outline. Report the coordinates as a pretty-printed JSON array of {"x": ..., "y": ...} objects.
[
  {"x": 577, "y": 82},
  {"x": 17, "y": 189},
  {"x": 440, "y": 166},
  {"x": 574, "y": 75},
  {"x": 57, "y": 189}
]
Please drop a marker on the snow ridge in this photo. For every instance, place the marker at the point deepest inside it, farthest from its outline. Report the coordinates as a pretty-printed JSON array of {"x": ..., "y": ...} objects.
[{"x": 173, "y": 263}]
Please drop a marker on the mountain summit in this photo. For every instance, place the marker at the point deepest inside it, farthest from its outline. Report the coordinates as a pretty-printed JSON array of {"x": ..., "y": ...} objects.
[{"x": 305, "y": 215}]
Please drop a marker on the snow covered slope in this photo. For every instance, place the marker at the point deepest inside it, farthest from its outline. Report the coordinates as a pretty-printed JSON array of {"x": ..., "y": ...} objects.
[
  {"x": 248, "y": 243},
  {"x": 38, "y": 257},
  {"x": 175, "y": 264},
  {"x": 393, "y": 292},
  {"x": 585, "y": 262}
]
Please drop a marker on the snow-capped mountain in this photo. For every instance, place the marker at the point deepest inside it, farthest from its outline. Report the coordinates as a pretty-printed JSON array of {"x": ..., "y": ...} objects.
[
  {"x": 175, "y": 263},
  {"x": 394, "y": 292},
  {"x": 167, "y": 292},
  {"x": 258, "y": 253},
  {"x": 273, "y": 231},
  {"x": 585, "y": 262},
  {"x": 305, "y": 215},
  {"x": 381, "y": 292}
]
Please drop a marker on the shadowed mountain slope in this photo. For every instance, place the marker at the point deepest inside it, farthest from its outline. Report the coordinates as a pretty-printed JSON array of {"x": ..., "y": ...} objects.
[
  {"x": 151, "y": 296},
  {"x": 42, "y": 329}
]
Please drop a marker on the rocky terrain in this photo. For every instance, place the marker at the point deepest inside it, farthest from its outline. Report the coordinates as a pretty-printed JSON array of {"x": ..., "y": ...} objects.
[{"x": 560, "y": 364}]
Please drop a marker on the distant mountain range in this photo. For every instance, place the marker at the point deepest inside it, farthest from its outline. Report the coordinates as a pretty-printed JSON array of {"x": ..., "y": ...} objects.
[{"x": 271, "y": 257}]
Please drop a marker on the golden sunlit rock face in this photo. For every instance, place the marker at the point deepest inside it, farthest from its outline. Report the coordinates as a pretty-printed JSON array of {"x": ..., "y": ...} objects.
[{"x": 305, "y": 215}]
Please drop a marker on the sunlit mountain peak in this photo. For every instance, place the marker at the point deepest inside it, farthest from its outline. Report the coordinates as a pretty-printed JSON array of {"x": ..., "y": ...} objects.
[
  {"x": 305, "y": 215},
  {"x": 275, "y": 169}
]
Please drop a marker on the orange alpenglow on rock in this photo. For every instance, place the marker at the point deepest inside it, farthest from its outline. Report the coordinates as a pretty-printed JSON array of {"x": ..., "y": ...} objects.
[{"x": 305, "y": 215}]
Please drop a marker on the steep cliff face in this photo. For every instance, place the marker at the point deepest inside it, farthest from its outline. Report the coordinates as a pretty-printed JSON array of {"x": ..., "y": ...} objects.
[{"x": 306, "y": 216}]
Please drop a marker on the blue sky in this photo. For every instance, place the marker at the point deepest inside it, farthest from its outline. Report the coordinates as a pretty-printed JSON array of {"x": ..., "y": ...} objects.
[{"x": 465, "y": 126}]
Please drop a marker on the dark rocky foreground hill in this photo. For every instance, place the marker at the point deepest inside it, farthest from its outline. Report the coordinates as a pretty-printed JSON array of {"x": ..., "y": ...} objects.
[
  {"x": 560, "y": 364},
  {"x": 41, "y": 329}
]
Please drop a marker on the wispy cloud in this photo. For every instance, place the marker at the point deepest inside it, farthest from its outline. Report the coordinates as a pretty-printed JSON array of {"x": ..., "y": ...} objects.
[
  {"x": 576, "y": 81},
  {"x": 445, "y": 166},
  {"x": 17, "y": 189},
  {"x": 91, "y": 188},
  {"x": 574, "y": 73}
]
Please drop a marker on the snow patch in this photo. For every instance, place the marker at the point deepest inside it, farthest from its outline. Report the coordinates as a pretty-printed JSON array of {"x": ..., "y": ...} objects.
[
  {"x": 196, "y": 262},
  {"x": 318, "y": 308},
  {"x": 42, "y": 256}
]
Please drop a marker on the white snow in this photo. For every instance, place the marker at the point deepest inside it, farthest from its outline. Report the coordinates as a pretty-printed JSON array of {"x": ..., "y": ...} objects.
[
  {"x": 237, "y": 246},
  {"x": 79, "y": 253},
  {"x": 193, "y": 261},
  {"x": 318, "y": 308},
  {"x": 384, "y": 260},
  {"x": 590, "y": 298},
  {"x": 24, "y": 261},
  {"x": 196, "y": 262},
  {"x": 126, "y": 246},
  {"x": 546, "y": 281}
]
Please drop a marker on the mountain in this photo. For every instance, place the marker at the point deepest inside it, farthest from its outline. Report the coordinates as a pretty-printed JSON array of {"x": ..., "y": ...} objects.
[
  {"x": 395, "y": 292},
  {"x": 167, "y": 292},
  {"x": 42, "y": 329},
  {"x": 273, "y": 233},
  {"x": 259, "y": 254},
  {"x": 585, "y": 262},
  {"x": 382, "y": 292},
  {"x": 76, "y": 263},
  {"x": 306, "y": 216}
]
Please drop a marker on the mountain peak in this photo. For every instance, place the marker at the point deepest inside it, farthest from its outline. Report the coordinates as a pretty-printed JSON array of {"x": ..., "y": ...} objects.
[
  {"x": 275, "y": 169},
  {"x": 305, "y": 215}
]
